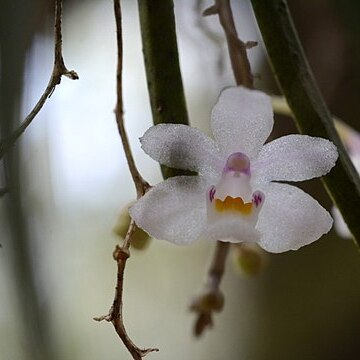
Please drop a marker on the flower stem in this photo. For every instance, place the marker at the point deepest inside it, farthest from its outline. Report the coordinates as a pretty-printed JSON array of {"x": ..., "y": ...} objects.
[
  {"x": 240, "y": 63},
  {"x": 166, "y": 92},
  {"x": 122, "y": 253},
  {"x": 303, "y": 96},
  {"x": 140, "y": 184}
]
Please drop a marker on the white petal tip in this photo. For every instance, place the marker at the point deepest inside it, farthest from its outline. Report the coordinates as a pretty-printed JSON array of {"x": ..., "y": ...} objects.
[{"x": 291, "y": 219}]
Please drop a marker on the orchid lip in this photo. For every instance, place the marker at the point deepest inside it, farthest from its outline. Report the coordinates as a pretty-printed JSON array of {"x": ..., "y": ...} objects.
[
  {"x": 237, "y": 162},
  {"x": 233, "y": 194}
]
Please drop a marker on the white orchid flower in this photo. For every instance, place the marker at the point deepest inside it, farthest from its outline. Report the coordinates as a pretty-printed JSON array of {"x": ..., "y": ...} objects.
[{"x": 235, "y": 197}]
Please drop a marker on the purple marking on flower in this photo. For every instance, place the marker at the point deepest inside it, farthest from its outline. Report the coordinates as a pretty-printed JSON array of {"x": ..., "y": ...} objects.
[
  {"x": 238, "y": 162},
  {"x": 257, "y": 198},
  {"x": 212, "y": 192}
]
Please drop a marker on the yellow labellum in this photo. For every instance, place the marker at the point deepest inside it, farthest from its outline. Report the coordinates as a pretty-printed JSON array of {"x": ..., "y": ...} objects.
[{"x": 233, "y": 204}]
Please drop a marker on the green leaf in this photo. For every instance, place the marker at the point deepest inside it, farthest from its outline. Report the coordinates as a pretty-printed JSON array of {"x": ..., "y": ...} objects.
[
  {"x": 303, "y": 96},
  {"x": 158, "y": 32}
]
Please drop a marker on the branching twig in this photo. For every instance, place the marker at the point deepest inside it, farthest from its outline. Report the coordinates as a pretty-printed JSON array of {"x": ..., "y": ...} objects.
[
  {"x": 58, "y": 71},
  {"x": 140, "y": 184},
  {"x": 237, "y": 49},
  {"x": 211, "y": 299},
  {"x": 211, "y": 35},
  {"x": 121, "y": 254}
]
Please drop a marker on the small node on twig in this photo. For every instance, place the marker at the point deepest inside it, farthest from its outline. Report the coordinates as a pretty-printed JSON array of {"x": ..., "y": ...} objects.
[
  {"x": 212, "y": 10},
  {"x": 250, "y": 44},
  {"x": 211, "y": 300},
  {"x": 106, "y": 317},
  {"x": 120, "y": 253},
  {"x": 144, "y": 352},
  {"x": 72, "y": 74},
  {"x": 204, "y": 305}
]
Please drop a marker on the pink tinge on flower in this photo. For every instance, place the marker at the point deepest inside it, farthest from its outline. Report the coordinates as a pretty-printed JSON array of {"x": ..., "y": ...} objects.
[
  {"x": 237, "y": 195},
  {"x": 238, "y": 163},
  {"x": 233, "y": 196},
  {"x": 258, "y": 198}
]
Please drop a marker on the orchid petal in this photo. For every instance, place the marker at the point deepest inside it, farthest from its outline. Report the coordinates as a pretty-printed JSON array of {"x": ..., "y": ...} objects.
[
  {"x": 290, "y": 219},
  {"x": 294, "y": 158},
  {"x": 231, "y": 229},
  {"x": 174, "y": 210},
  {"x": 242, "y": 120},
  {"x": 182, "y": 147}
]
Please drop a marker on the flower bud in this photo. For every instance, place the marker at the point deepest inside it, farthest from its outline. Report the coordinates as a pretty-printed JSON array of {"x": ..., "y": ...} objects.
[
  {"x": 122, "y": 223},
  {"x": 249, "y": 259},
  {"x": 210, "y": 300},
  {"x": 140, "y": 240}
]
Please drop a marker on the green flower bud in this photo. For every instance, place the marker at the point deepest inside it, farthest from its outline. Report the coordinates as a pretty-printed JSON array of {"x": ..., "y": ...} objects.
[
  {"x": 249, "y": 259},
  {"x": 212, "y": 301},
  {"x": 140, "y": 240},
  {"x": 122, "y": 223}
]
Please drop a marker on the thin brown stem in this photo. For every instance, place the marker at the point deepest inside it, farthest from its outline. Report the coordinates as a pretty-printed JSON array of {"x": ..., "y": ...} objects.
[
  {"x": 211, "y": 35},
  {"x": 58, "y": 71},
  {"x": 122, "y": 253},
  {"x": 237, "y": 49},
  {"x": 211, "y": 298},
  {"x": 140, "y": 184},
  {"x": 217, "y": 265},
  {"x": 115, "y": 315}
]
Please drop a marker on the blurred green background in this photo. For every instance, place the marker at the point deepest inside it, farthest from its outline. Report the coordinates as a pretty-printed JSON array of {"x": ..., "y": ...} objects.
[{"x": 69, "y": 179}]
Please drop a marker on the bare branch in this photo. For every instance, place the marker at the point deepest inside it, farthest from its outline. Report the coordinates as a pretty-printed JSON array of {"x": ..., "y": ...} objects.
[
  {"x": 58, "y": 71},
  {"x": 211, "y": 299},
  {"x": 210, "y": 34},
  {"x": 121, "y": 254},
  {"x": 115, "y": 315},
  {"x": 140, "y": 184},
  {"x": 237, "y": 49}
]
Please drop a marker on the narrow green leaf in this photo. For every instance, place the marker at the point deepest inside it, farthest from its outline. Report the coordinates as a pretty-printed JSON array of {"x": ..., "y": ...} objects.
[
  {"x": 158, "y": 32},
  {"x": 303, "y": 96}
]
